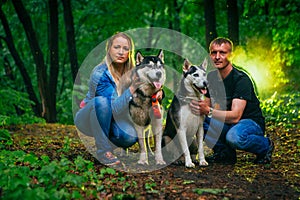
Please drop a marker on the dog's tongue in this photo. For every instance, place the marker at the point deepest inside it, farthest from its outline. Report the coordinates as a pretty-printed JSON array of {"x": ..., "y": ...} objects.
[
  {"x": 203, "y": 91},
  {"x": 157, "y": 84}
]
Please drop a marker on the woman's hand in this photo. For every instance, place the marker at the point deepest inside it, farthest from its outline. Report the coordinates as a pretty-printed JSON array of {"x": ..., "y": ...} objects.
[
  {"x": 159, "y": 95},
  {"x": 135, "y": 84}
]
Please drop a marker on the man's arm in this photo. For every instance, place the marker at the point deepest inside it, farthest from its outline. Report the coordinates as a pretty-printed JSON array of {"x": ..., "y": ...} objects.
[{"x": 233, "y": 116}]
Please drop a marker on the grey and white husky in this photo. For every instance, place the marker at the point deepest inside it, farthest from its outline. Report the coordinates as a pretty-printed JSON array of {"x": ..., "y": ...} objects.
[
  {"x": 151, "y": 73},
  {"x": 180, "y": 119}
]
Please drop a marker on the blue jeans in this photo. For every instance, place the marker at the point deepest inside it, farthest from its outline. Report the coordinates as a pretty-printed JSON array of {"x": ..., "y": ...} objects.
[
  {"x": 246, "y": 135},
  {"x": 95, "y": 119}
]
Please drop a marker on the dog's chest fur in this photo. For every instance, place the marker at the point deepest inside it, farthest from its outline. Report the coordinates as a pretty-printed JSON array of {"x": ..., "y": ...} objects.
[
  {"x": 189, "y": 121},
  {"x": 140, "y": 105}
]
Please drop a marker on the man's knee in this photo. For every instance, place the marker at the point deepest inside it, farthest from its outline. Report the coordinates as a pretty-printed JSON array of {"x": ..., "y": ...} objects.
[{"x": 233, "y": 139}]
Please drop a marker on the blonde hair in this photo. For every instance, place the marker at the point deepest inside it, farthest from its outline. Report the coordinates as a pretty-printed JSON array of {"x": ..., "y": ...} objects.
[{"x": 128, "y": 65}]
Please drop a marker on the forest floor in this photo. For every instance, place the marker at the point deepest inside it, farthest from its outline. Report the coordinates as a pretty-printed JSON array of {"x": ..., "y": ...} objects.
[{"x": 244, "y": 180}]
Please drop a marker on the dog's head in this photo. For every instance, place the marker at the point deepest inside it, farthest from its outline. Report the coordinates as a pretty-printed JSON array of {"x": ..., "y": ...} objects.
[
  {"x": 150, "y": 69},
  {"x": 196, "y": 75}
]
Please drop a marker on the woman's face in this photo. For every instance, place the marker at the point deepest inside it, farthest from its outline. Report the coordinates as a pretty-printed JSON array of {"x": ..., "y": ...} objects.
[{"x": 119, "y": 50}]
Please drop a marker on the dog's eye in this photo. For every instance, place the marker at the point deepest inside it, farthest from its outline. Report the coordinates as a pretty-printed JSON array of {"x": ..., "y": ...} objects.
[{"x": 196, "y": 75}]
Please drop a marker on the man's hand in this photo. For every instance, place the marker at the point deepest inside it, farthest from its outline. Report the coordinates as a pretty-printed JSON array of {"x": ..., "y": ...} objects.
[{"x": 199, "y": 107}]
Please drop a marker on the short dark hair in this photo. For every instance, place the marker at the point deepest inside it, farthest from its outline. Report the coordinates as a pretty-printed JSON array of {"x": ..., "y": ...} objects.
[{"x": 221, "y": 40}]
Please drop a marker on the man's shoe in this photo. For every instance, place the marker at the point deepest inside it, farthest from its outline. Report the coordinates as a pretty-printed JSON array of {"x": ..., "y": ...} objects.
[
  {"x": 109, "y": 159},
  {"x": 267, "y": 157},
  {"x": 221, "y": 158}
]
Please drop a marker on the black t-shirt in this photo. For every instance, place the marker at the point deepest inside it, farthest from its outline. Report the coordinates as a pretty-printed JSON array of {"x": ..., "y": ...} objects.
[{"x": 237, "y": 85}]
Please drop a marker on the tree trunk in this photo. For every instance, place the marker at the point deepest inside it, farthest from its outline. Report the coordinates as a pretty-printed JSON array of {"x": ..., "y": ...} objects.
[
  {"x": 233, "y": 21},
  {"x": 70, "y": 35},
  {"x": 174, "y": 24},
  {"x": 210, "y": 21},
  {"x": 37, "y": 107},
  {"x": 41, "y": 69},
  {"x": 54, "y": 66}
]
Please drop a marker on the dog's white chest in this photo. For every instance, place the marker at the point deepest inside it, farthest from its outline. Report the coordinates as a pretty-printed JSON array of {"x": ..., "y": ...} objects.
[{"x": 189, "y": 121}]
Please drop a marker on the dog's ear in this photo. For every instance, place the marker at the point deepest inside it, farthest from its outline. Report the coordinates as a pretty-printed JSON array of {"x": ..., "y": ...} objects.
[
  {"x": 204, "y": 64},
  {"x": 161, "y": 55},
  {"x": 139, "y": 58},
  {"x": 186, "y": 65}
]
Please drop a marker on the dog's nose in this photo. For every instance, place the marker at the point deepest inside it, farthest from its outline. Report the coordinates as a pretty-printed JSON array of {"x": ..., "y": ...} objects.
[{"x": 158, "y": 74}]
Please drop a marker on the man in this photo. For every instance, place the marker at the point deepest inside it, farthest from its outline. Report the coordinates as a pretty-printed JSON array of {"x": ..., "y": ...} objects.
[{"x": 234, "y": 120}]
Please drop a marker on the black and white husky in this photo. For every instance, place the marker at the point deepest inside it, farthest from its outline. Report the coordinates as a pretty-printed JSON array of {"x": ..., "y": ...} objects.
[
  {"x": 180, "y": 119},
  {"x": 151, "y": 73}
]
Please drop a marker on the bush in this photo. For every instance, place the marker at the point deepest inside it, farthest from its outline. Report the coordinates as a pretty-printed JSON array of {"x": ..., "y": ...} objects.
[
  {"x": 282, "y": 108},
  {"x": 16, "y": 108}
]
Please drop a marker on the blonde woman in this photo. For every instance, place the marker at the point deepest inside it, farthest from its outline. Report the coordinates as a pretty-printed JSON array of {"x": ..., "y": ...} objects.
[{"x": 104, "y": 114}]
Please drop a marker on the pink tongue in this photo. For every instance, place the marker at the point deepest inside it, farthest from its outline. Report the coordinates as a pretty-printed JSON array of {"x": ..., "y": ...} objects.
[
  {"x": 203, "y": 91},
  {"x": 157, "y": 84}
]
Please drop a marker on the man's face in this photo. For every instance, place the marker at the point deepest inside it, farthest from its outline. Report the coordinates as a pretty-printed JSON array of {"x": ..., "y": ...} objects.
[{"x": 220, "y": 55}]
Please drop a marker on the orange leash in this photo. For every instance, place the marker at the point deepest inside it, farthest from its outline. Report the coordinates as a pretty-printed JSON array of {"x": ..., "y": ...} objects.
[{"x": 156, "y": 107}]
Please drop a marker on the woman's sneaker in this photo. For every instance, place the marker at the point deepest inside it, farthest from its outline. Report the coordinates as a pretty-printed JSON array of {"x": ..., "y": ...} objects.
[
  {"x": 109, "y": 159},
  {"x": 265, "y": 158}
]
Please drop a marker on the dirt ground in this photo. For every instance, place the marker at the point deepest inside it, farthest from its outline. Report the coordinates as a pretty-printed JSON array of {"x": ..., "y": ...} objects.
[{"x": 244, "y": 180}]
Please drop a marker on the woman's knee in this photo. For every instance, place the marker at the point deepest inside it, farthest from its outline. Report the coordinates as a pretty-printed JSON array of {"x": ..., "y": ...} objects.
[
  {"x": 129, "y": 140},
  {"x": 129, "y": 136},
  {"x": 124, "y": 140},
  {"x": 126, "y": 135},
  {"x": 101, "y": 103}
]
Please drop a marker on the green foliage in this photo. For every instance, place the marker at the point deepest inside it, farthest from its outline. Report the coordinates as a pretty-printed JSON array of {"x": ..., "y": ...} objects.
[
  {"x": 282, "y": 109},
  {"x": 202, "y": 191},
  {"x": 5, "y": 138},
  {"x": 26, "y": 176},
  {"x": 277, "y": 21},
  {"x": 16, "y": 108},
  {"x": 150, "y": 187}
]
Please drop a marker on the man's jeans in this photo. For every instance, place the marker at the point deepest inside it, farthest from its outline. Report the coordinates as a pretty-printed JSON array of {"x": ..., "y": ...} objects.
[
  {"x": 225, "y": 138},
  {"x": 96, "y": 119}
]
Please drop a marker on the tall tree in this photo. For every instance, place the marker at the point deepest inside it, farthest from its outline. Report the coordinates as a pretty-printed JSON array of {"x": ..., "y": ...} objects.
[
  {"x": 37, "y": 108},
  {"x": 210, "y": 21},
  {"x": 53, "y": 51},
  {"x": 233, "y": 21},
  {"x": 41, "y": 68},
  {"x": 70, "y": 35}
]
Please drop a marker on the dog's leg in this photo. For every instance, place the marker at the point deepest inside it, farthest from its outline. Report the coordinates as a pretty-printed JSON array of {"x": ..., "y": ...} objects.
[
  {"x": 185, "y": 148},
  {"x": 143, "y": 148},
  {"x": 200, "y": 135},
  {"x": 157, "y": 131}
]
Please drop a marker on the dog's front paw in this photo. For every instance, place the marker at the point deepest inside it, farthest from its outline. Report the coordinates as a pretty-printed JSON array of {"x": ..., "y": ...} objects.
[
  {"x": 203, "y": 163},
  {"x": 160, "y": 162},
  {"x": 143, "y": 162},
  {"x": 143, "y": 159},
  {"x": 159, "y": 159},
  {"x": 190, "y": 165}
]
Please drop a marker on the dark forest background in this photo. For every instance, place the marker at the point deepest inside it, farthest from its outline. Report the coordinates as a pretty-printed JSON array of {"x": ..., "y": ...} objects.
[{"x": 44, "y": 43}]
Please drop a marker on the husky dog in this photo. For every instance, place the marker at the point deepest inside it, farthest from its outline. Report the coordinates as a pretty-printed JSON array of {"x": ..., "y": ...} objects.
[
  {"x": 180, "y": 119},
  {"x": 151, "y": 73}
]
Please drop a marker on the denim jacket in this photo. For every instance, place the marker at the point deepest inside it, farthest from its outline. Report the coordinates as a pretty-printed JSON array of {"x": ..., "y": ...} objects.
[{"x": 102, "y": 84}]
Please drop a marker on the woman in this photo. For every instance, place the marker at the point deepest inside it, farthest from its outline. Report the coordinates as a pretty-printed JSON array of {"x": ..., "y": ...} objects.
[{"x": 104, "y": 115}]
